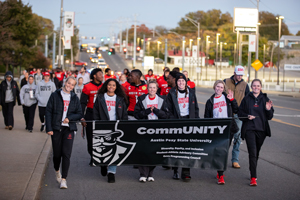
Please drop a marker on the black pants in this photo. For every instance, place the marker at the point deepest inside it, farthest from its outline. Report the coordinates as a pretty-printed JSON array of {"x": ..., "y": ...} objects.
[
  {"x": 146, "y": 171},
  {"x": 254, "y": 141},
  {"x": 89, "y": 131},
  {"x": 184, "y": 171},
  {"x": 42, "y": 111},
  {"x": 220, "y": 173},
  {"x": 8, "y": 113},
  {"x": 62, "y": 143},
  {"x": 29, "y": 113}
]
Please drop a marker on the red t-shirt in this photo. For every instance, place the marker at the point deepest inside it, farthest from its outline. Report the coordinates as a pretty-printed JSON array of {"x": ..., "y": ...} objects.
[
  {"x": 108, "y": 77},
  {"x": 59, "y": 75},
  {"x": 165, "y": 90},
  {"x": 91, "y": 90},
  {"x": 162, "y": 83},
  {"x": 133, "y": 92},
  {"x": 125, "y": 85},
  {"x": 147, "y": 77},
  {"x": 191, "y": 84}
]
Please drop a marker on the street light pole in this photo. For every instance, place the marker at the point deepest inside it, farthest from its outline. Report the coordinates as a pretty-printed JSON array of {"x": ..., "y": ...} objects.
[
  {"x": 264, "y": 62},
  {"x": 183, "y": 52},
  {"x": 279, "y": 33},
  {"x": 126, "y": 39},
  {"x": 257, "y": 36},
  {"x": 60, "y": 27},
  {"x": 46, "y": 46},
  {"x": 21, "y": 54},
  {"x": 166, "y": 52},
  {"x": 134, "y": 42},
  {"x": 207, "y": 38},
  {"x": 53, "y": 51},
  {"x": 217, "y": 42}
]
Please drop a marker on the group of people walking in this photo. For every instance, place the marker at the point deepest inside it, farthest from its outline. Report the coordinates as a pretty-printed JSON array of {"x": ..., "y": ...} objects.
[{"x": 172, "y": 96}]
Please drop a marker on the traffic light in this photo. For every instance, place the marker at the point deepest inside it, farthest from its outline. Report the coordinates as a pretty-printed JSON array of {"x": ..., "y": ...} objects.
[
  {"x": 138, "y": 49},
  {"x": 124, "y": 50},
  {"x": 111, "y": 51}
]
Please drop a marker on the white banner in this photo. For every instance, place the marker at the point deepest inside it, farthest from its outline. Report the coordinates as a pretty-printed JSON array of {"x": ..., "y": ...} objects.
[
  {"x": 69, "y": 23},
  {"x": 67, "y": 42},
  {"x": 149, "y": 62},
  {"x": 292, "y": 67},
  {"x": 252, "y": 43}
]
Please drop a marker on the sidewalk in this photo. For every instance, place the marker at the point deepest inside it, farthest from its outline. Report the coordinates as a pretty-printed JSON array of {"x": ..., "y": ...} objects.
[{"x": 23, "y": 158}]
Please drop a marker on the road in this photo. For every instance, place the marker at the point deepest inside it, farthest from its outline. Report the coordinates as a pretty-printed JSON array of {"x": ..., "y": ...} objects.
[{"x": 278, "y": 168}]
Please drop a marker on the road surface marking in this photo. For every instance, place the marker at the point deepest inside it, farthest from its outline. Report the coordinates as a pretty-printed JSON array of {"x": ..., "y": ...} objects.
[
  {"x": 280, "y": 121},
  {"x": 201, "y": 102},
  {"x": 286, "y": 108}
]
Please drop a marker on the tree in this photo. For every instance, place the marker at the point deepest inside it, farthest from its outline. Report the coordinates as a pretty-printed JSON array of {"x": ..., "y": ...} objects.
[
  {"x": 298, "y": 33},
  {"x": 269, "y": 26},
  {"x": 40, "y": 61},
  {"x": 19, "y": 30}
]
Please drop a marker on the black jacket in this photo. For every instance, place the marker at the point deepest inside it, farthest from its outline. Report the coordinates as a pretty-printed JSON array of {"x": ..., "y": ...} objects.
[
  {"x": 55, "y": 109},
  {"x": 245, "y": 109},
  {"x": 232, "y": 107},
  {"x": 15, "y": 91},
  {"x": 141, "y": 112},
  {"x": 100, "y": 109},
  {"x": 172, "y": 107}
]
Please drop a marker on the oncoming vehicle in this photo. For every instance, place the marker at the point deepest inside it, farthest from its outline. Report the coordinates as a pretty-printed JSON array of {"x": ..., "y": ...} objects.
[
  {"x": 101, "y": 61},
  {"x": 102, "y": 66},
  {"x": 94, "y": 58},
  {"x": 99, "y": 55}
]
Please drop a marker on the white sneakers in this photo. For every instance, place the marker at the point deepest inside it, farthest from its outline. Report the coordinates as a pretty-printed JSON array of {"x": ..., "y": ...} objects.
[
  {"x": 63, "y": 184},
  {"x": 150, "y": 179},
  {"x": 144, "y": 179},
  {"x": 58, "y": 176}
]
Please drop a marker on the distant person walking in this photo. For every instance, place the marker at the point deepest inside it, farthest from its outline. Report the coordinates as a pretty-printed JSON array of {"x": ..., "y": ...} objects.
[
  {"x": 24, "y": 80},
  {"x": 240, "y": 89},
  {"x": 38, "y": 76},
  {"x": 255, "y": 111},
  {"x": 63, "y": 109},
  {"x": 9, "y": 93},
  {"x": 28, "y": 100},
  {"x": 79, "y": 86},
  {"x": 43, "y": 91}
]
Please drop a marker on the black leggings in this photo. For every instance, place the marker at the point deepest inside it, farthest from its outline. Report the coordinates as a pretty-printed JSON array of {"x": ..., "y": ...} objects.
[
  {"x": 42, "y": 111},
  {"x": 254, "y": 141},
  {"x": 29, "y": 113},
  {"x": 8, "y": 113},
  {"x": 62, "y": 143},
  {"x": 89, "y": 131}
]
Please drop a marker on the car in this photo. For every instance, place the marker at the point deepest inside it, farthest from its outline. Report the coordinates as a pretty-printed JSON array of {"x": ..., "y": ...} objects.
[
  {"x": 101, "y": 61},
  {"x": 102, "y": 66},
  {"x": 80, "y": 63},
  {"x": 94, "y": 58},
  {"x": 99, "y": 55},
  {"x": 158, "y": 61}
]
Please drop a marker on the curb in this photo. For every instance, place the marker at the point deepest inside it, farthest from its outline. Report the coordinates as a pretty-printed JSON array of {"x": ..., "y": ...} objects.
[{"x": 33, "y": 186}]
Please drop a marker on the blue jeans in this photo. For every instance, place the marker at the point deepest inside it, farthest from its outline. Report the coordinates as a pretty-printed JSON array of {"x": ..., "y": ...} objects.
[
  {"x": 112, "y": 169},
  {"x": 236, "y": 140}
]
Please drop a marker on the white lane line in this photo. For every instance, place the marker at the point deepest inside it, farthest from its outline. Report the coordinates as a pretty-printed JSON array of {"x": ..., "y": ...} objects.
[{"x": 280, "y": 115}]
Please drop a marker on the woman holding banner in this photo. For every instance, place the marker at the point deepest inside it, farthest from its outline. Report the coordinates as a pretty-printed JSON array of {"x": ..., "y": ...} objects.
[
  {"x": 221, "y": 105},
  {"x": 255, "y": 111},
  {"x": 182, "y": 104},
  {"x": 110, "y": 105},
  {"x": 149, "y": 106}
]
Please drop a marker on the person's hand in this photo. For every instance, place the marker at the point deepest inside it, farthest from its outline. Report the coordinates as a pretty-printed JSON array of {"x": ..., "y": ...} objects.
[
  {"x": 250, "y": 117},
  {"x": 269, "y": 105},
  {"x": 83, "y": 123},
  {"x": 66, "y": 121},
  {"x": 230, "y": 95},
  {"x": 152, "y": 108},
  {"x": 50, "y": 133}
]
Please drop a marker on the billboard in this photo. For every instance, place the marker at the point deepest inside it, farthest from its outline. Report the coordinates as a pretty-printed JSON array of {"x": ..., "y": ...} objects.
[
  {"x": 245, "y": 19},
  {"x": 252, "y": 43},
  {"x": 67, "y": 42},
  {"x": 69, "y": 23}
]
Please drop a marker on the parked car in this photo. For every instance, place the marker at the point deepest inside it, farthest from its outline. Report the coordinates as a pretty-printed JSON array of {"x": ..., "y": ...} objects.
[
  {"x": 80, "y": 63},
  {"x": 158, "y": 61}
]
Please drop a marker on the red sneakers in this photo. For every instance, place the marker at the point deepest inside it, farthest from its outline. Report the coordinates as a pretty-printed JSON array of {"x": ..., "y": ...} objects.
[
  {"x": 253, "y": 182},
  {"x": 221, "y": 180}
]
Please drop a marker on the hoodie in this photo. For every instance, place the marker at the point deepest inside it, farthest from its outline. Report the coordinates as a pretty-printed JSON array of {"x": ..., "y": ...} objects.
[
  {"x": 14, "y": 89},
  {"x": 25, "y": 94},
  {"x": 43, "y": 92},
  {"x": 38, "y": 78}
]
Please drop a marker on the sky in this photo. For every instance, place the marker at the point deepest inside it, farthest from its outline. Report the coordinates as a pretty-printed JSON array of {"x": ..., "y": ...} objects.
[{"x": 99, "y": 18}]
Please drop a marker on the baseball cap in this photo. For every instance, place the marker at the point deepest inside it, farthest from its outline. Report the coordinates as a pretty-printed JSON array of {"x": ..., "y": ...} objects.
[
  {"x": 239, "y": 70},
  {"x": 46, "y": 74}
]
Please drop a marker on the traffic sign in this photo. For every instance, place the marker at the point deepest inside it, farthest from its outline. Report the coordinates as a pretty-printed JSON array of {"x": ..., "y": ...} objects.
[{"x": 257, "y": 65}]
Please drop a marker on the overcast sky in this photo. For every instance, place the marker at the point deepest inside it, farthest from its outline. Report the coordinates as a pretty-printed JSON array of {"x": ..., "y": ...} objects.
[{"x": 99, "y": 18}]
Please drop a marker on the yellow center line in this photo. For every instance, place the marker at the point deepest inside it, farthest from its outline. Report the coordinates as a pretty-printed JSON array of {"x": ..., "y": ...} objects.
[
  {"x": 280, "y": 121},
  {"x": 286, "y": 108},
  {"x": 201, "y": 102}
]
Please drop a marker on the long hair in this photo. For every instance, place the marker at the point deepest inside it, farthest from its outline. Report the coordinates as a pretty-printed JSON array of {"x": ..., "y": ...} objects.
[
  {"x": 185, "y": 90},
  {"x": 119, "y": 90}
]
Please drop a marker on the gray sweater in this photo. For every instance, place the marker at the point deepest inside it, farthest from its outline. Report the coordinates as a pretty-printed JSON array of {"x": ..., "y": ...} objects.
[
  {"x": 25, "y": 94},
  {"x": 43, "y": 92},
  {"x": 78, "y": 90}
]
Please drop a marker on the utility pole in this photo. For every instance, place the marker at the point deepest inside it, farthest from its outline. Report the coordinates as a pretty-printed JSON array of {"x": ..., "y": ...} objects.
[
  {"x": 217, "y": 42},
  {"x": 183, "y": 52},
  {"x": 264, "y": 62},
  {"x": 46, "y": 46},
  {"x": 134, "y": 42},
  {"x": 257, "y": 36},
  {"x": 166, "y": 51},
  {"x": 278, "y": 58},
  {"x": 207, "y": 43},
  {"x": 53, "y": 51},
  {"x": 144, "y": 48},
  {"x": 126, "y": 38},
  {"x": 60, "y": 27},
  {"x": 120, "y": 36}
]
